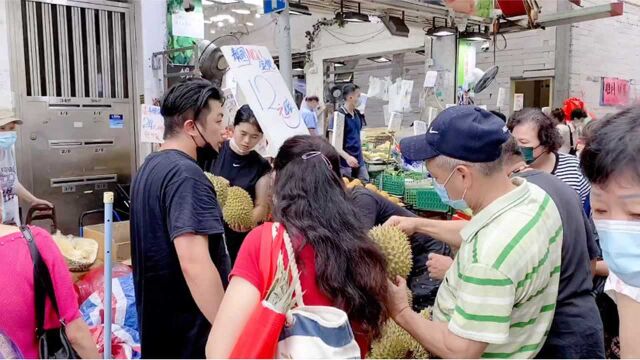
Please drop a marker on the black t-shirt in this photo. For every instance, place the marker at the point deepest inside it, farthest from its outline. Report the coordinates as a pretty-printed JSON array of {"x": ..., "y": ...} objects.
[
  {"x": 576, "y": 329},
  {"x": 376, "y": 210},
  {"x": 171, "y": 197},
  {"x": 241, "y": 170}
]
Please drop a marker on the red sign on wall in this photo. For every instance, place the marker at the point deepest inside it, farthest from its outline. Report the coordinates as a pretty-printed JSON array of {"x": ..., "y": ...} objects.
[{"x": 614, "y": 92}]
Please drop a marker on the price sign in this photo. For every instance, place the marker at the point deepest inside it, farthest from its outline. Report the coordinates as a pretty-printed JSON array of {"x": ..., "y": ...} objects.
[
  {"x": 266, "y": 93},
  {"x": 615, "y": 92}
]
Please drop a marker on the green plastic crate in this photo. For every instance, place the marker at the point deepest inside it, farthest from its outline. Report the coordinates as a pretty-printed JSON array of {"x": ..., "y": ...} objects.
[
  {"x": 425, "y": 200},
  {"x": 415, "y": 175},
  {"x": 393, "y": 184}
]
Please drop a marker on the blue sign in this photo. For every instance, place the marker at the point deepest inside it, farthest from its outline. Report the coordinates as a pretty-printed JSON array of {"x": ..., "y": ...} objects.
[
  {"x": 274, "y": 5},
  {"x": 116, "y": 121}
]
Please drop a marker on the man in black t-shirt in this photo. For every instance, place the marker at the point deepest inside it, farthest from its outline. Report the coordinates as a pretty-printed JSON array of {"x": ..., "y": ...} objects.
[
  {"x": 180, "y": 262},
  {"x": 376, "y": 210}
]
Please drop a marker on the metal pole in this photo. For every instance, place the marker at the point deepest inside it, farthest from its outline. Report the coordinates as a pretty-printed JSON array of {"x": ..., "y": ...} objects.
[
  {"x": 108, "y": 224},
  {"x": 284, "y": 47}
]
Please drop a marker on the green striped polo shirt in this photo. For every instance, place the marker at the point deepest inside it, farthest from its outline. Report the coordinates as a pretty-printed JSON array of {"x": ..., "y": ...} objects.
[{"x": 503, "y": 284}]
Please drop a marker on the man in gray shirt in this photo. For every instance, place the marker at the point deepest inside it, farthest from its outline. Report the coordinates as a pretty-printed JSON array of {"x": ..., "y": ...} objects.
[{"x": 576, "y": 331}]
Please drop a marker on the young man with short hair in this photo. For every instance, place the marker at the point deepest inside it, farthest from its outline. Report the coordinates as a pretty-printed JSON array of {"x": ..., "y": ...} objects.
[
  {"x": 352, "y": 163},
  {"x": 309, "y": 114},
  {"x": 180, "y": 262}
]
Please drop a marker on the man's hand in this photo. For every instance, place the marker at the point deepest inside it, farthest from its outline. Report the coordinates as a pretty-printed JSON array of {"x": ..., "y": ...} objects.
[
  {"x": 353, "y": 162},
  {"x": 37, "y": 202},
  {"x": 406, "y": 224},
  {"x": 397, "y": 301},
  {"x": 438, "y": 265}
]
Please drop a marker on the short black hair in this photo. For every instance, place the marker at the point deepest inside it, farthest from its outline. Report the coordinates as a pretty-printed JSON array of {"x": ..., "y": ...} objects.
[
  {"x": 312, "y": 98},
  {"x": 612, "y": 147},
  {"x": 246, "y": 115},
  {"x": 578, "y": 114},
  {"x": 190, "y": 98},
  {"x": 348, "y": 90},
  {"x": 548, "y": 134},
  {"x": 558, "y": 114},
  {"x": 502, "y": 116}
]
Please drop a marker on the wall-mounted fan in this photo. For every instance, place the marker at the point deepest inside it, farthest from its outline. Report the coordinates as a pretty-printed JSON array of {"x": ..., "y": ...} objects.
[
  {"x": 211, "y": 63},
  {"x": 477, "y": 81}
]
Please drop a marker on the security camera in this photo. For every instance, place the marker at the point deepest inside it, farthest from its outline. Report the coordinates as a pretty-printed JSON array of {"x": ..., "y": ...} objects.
[
  {"x": 188, "y": 5},
  {"x": 485, "y": 46}
]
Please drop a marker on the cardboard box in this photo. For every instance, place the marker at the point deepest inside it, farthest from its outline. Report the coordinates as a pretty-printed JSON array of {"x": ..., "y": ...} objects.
[{"x": 121, "y": 245}]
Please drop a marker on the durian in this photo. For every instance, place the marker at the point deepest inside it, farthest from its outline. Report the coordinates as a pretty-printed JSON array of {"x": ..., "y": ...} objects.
[
  {"x": 396, "y": 343},
  {"x": 396, "y": 248},
  {"x": 354, "y": 183},
  {"x": 221, "y": 185},
  {"x": 237, "y": 209},
  {"x": 345, "y": 180},
  {"x": 371, "y": 187}
]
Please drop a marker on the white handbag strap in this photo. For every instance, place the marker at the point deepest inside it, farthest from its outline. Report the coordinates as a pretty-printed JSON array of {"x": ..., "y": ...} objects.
[{"x": 292, "y": 263}]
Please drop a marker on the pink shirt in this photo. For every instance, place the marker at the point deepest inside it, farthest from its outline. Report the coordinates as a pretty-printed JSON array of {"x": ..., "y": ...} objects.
[{"x": 17, "y": 297}]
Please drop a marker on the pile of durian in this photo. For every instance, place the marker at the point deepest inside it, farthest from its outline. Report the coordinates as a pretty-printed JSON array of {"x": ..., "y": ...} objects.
[
  {"x": 236, "y": 203},
  {"x": 379, "y": 153},
  {"x": 356, "y": 182},
  {"x": 395, "y": 342}
]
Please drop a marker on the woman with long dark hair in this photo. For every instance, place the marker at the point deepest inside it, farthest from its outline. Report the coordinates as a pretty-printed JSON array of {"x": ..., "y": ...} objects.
[
  {"x": 239, "y": 163},
  {"x": 339, "y": 264}
]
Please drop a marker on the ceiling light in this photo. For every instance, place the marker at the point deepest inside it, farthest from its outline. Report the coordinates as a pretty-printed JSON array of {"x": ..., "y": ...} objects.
[
  {"x": 248, "y": 23},
  {"x": 232, "y": 20},
  {"x": 258, "y": 16},
  {"x": 208, "y": 22},
  {"x": 299, "y": 9},
  {"x": 212, "y": 31},
  {"x": 379, "y": 59},
  {"x": 338, "y": 63},
  {"x": 298, "y": 69},
  {"x": 477, "y": 35},
  {"x": 220, "y": 24},
  {"x": 441, "y": 30},
  {"x": 206, "y": 3},
  {"x": 241, "y": 11}
]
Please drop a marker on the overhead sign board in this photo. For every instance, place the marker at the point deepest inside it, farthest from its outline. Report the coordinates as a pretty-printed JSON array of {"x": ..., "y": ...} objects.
[{"x": 274, "y": 5}]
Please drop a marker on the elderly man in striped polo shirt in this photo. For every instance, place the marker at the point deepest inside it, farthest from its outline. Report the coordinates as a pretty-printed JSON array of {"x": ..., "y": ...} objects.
[{"x": 499, "y": 296}]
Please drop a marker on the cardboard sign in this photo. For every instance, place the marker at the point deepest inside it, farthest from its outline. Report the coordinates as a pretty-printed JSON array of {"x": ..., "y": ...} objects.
[
  {"x": 501, "y": 96},
  {"x": 189, "y": 24},
  {"x": 152, "y": 124},
  {"x": 266, "y": 93},
  {"x": 518, "y": 102},
  {"x": 615, "y": 92}
]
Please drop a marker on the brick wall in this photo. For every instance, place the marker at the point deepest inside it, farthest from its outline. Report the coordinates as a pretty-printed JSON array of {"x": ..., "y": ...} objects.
[{"x": 605, "y": 48}]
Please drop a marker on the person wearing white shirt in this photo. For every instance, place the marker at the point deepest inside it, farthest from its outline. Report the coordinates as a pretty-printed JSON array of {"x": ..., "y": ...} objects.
[{"x": 11, "y": 188}]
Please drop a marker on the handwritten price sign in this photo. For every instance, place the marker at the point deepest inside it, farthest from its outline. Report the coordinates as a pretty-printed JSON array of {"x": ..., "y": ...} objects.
[
  {"x": 152, "y": 127},
  {"x": 615, "y": 92},
  {"x": 266, "y": 93}
]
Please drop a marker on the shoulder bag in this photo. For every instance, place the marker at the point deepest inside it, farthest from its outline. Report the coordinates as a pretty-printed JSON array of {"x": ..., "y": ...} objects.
[{"x": 52, "y": 343}]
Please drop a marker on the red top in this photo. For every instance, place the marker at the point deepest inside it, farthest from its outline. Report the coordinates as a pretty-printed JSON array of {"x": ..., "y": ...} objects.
[
  {"x": 17, "y": 298},
  {"x": 247, "y": 267}
]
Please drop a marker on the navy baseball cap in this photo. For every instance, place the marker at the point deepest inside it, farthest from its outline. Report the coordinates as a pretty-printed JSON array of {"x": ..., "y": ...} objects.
[{"x": 465, "y": 132}]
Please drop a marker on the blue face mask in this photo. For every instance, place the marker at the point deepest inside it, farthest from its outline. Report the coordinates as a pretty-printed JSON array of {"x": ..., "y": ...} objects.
[
  {"x": 8, "y": 139},
  {"x": 620, "y": 242},
  {"x": 444, "y": 195}
]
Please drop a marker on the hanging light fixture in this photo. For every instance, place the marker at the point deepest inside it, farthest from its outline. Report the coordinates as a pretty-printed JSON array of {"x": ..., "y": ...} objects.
[
  {"x": 351, "y": 16},
  {"x": 477, "y": 35},
  {"x": 441, "y": 30}
]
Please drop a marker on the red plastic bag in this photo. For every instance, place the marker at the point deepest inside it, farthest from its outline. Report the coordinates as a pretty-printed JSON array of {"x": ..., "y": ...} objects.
[
  {"x": 571, "y": 104},
  {"x": 94, "y": 280}
]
